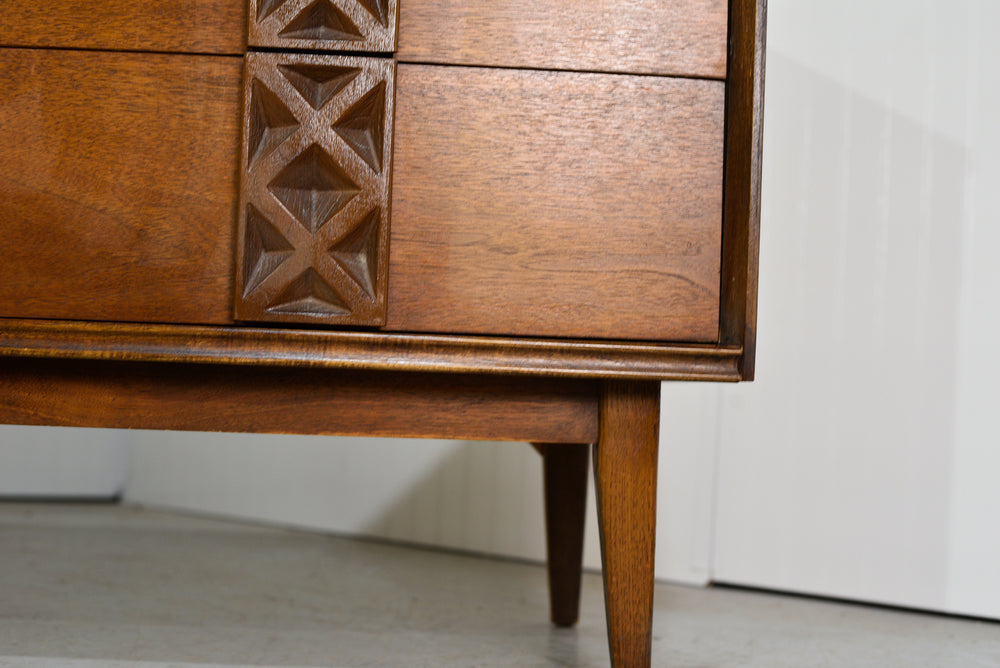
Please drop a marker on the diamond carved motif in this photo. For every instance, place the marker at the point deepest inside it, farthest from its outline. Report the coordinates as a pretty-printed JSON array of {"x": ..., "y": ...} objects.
[
  {"x": 266, "y": 7},
  {"x": 357, "y": 253},
  {"x": 324, "y": 25},
  {"x": 270, "y": 121},
  {"x": 313, "y": 187},
  {"x": 322, "y": 21},
  {"x": 363, "y": 126},
  {"x": 318, "y": 83},
  {"x": 265, "y": 249},
  {"x": 309, "y": 294},
  {"x": 314, "y": 194},
  {"x": 379, "y": 9}
]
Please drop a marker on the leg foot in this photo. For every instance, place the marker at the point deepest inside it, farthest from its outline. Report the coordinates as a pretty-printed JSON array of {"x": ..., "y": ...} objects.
[
  {"x": 565, "y": 471},
  {"x": 625, "y": 459}
]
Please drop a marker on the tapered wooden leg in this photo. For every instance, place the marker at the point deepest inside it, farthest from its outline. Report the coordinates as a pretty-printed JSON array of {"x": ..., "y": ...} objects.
[
  {"x": 565, "y": 469},
  {"x": 625, "y": 477}
]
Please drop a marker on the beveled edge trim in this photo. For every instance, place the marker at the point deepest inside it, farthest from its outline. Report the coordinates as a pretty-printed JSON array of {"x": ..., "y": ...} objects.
[
  {"x": 367, "y": 350},
  {"x": 742, "y": 180}
]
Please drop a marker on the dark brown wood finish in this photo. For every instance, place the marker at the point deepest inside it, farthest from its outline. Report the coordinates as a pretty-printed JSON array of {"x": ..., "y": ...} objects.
[
  {"x": 204, "y": 26},
  {"x": 741, "y": 223},
  {"x": 625, "y": 467},
  {"x": 300, "y": 401},
  {"x": 556, "y": 204},
  {"x": 117, "y": 185},
  {"x": 143, "y": 262},
  {"x": 324, "y": 25},
  {"x": 313, "y": 239},
  {"x": 565, "y": 473},
  {"x": 601, "y": 268},
  {"x": 680, "y": 37},
  {"x": 364, "y": 351}
]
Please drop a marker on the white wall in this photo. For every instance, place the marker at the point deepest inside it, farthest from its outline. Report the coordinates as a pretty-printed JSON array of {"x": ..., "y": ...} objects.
[
  {"x": 62, "y": 462},
  {"x": 864, "y": 462},
  {"x": 477, "y": 496},
  {"x": 974, "y": 541}
]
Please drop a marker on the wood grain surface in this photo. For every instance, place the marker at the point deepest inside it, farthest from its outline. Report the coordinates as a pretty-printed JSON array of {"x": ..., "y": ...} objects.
[
  {"x": 184, "y": 26},
  {"x": 625, "y": 471},
  {"x": 680, "y": 37},
  {"x": 300, "y": 401},
  {"x": 556, "y": 204},
  {"x": 117, "y": 185}
]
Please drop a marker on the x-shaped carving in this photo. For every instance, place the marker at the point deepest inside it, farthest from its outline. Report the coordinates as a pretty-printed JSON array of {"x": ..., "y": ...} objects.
[{"x": 315, "y": 189}]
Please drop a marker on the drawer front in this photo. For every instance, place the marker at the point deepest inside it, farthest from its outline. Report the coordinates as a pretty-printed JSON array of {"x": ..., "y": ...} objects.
[
  {"x": 181, "y": 26},
  {"x": 672, "y": 37},
  {"x": 556, "y": 204},
  {"x": 117, "y": 185}
]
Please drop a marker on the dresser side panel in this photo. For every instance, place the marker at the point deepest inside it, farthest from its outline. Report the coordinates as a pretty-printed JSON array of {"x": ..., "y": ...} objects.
[{"x": 744, "y": 142}]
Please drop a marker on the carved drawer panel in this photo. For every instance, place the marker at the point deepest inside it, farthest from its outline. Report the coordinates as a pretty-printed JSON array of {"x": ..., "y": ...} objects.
[
  {"x": 324, "y": 25},
  {"x": 313, "y": 233}
]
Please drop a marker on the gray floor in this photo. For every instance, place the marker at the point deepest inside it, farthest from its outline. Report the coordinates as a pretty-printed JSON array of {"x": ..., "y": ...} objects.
[{"x": 88, "y": 586}]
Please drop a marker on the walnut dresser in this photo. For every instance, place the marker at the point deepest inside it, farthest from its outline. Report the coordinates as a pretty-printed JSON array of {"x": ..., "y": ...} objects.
[{"x": 475, "y": 219}]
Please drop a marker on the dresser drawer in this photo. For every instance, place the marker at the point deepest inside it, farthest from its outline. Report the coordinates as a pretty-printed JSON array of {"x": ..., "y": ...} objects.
[
  {"x": 117, "y": 185},
  {"x": 527, "y": 203},
  {"x": 556, "y": 204},
  {"x": 177, "y": 26},
  {"x": 675, "y": 37}
]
